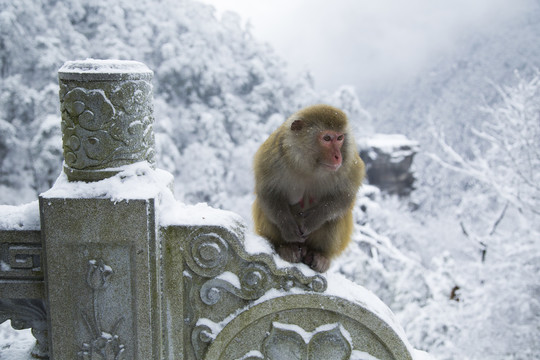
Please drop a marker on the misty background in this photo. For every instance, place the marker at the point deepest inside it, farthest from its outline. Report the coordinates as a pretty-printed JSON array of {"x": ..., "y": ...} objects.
[
  {"x": 457, "y": 260},
  {"x": 370, "y": 44}
]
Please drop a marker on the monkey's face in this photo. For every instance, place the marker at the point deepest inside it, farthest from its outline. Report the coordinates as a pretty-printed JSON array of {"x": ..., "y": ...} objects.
[{"x": 330, "y": 143}]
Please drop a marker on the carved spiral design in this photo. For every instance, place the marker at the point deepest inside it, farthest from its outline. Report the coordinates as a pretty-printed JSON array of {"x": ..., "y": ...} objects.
[
  {"x": 209, "y": 255},
  {"x": 318, "y": 284},
  {"x": 210, "y": 292},
  {"x": 287, "y": 283},
  {"x": 254, "y": 279},
  {"x": 200, "y": 338}
]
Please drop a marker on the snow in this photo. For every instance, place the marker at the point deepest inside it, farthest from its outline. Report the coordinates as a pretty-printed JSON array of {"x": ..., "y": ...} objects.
[
  {"x": 255, "y": 244},
  {"x": 218, "y": 94},
  {"x": 109, "y": 66},
  {"x": 22, "y": 217},
  {"x": 15, "y": 344},
  {"x": 231, "y": 278},
  {"x": 338, "y": 286},
  {"x": 172, "y": 212},
  {"x": 134, "y": 181},
  {"x": 141, "y": 181},
  {"x": 389, "y": 143}
]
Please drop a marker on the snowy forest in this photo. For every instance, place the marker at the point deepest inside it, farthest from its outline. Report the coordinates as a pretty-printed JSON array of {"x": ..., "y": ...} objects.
[{"x": 458, "y": 260}]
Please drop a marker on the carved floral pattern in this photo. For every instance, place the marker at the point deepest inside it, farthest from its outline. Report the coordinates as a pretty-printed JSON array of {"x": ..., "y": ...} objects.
[
  {"x": 292, "y": 342},
  {"x": 104, "y": 345}
]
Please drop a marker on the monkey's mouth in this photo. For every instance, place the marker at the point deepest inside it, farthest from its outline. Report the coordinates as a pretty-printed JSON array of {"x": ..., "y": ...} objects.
[{"x": 331, "y": 167}]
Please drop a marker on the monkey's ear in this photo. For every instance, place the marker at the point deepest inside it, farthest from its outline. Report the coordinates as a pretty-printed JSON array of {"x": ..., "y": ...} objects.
[{"x": 297, "y": 125}]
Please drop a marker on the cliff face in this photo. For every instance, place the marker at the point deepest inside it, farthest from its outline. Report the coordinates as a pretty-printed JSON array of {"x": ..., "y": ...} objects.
[{"x": 388, "y": 160}]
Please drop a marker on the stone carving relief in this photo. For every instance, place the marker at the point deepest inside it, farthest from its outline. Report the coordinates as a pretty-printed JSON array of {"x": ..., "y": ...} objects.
[
  {"x": 104, "y": 345},
  {"x": 286, "y": 341},
  {"x": 209, "y": 256},
  {"x": 20, "y": 261},
  {"x": 218, "y": 265},
  {"x": 102, "y": 130}
]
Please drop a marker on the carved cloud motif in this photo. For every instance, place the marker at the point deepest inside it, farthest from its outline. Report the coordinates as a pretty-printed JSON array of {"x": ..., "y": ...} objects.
[
  {"x": 84, "y": 127},
  {"x": 292, "y": 342},
  {"x": 108, "y": 128}
]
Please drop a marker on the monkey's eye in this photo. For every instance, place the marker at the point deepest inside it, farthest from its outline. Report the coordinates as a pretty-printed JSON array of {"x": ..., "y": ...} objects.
[
  {"x": 327, "y": 138},
  {"x": 341, "y": 137}
]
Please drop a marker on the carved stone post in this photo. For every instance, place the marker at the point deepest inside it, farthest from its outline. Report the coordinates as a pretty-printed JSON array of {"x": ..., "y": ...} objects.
[
  {"x": 101, "y": 261},
  {"x": 107, "y": 117}
]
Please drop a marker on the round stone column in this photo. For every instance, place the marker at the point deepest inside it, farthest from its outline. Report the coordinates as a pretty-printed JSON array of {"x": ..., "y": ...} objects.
[{"x": 107, "y": 117}]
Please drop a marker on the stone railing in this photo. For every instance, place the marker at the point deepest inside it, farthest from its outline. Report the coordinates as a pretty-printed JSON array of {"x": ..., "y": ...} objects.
[{"x": 108, "y": 265}]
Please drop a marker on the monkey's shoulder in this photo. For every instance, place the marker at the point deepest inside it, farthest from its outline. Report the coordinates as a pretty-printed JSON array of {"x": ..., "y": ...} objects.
[{"x": 356, "y": 168}]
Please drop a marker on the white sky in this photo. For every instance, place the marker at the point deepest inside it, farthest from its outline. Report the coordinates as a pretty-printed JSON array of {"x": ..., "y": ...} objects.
[{"x": 366, "y": 42}]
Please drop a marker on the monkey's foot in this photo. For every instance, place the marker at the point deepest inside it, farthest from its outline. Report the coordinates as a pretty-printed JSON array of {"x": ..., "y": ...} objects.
[
  {"x": 316, "y": 261},
  {"x": 292, "y": 252}
]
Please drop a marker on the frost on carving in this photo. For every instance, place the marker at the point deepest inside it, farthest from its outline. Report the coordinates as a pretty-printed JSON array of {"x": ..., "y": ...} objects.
[{"x": 104, "y": 345}]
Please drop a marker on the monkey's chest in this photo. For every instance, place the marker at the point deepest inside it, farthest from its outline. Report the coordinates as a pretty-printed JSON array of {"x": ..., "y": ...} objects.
[{"x": 303, "y": 204}]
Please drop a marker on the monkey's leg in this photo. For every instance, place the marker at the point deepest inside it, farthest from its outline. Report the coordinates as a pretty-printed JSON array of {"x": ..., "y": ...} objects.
[
  {"x": 264, "y": 227},
  {"x": 327, "y": 242},
  {"x": 291, "y": 252}
]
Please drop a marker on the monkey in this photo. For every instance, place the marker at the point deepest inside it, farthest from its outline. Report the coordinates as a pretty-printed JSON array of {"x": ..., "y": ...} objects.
[{"x": 307, "y": 174}]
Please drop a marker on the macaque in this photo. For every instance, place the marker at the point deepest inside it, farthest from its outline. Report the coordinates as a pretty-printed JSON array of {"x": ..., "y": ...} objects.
[{"x": 307, "y": 174}]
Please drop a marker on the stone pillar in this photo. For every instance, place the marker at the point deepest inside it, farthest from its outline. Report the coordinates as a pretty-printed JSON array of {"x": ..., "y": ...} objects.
[
  {"x": 101, "y": 262},
  {"x": 107, "y": 117}
]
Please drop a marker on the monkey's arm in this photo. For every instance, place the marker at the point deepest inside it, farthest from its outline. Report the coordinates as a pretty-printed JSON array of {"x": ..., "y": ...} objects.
[
  {"x": 329, "y": 207},
  {"x": 278, "y": 211},
  {"x": 338, "y": 201}
]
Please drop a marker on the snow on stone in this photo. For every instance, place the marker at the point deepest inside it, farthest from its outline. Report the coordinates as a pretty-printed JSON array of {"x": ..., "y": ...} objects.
[
  {"x": 177, "y": 213},
  {"x": 22, "y": 217},
  {"x": 362, "y": 355},
  {"x": 140, "y": 181},
  {"x": 307, "y": 336},
  {"x": 15, "y": 344},
  {"x": 215, "y": 328},
  {"x": 389, "y": 142},
  {"x": 135, "y": 181},
  {"x": 230, "y": 278},
  {"x": 255, "y": 244},
  {"x": 253, "y": 354},
  {"x": 104, "y": 66},
  {"x": 342, "y": 287}
]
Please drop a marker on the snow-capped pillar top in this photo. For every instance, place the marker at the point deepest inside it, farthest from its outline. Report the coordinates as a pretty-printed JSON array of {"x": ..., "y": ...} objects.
[{"x": 107, "y": 117}]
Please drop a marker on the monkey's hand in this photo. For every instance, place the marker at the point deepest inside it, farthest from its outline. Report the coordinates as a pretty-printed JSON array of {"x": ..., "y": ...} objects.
[
  {"x": 316, "y": 261},
  {"x": 314, "y": 217},
  {"x": 292, "y": 252},
  {"x": 278, "y": 212},
  {"x": 291, "y": 232}
]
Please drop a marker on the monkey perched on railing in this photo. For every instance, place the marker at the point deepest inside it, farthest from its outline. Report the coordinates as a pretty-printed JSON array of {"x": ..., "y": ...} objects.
[{"x": 307, "y": 174}]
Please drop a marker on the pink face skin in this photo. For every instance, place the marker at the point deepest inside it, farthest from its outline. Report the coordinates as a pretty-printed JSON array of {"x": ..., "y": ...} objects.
[{"x": 331, "y": 142}]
